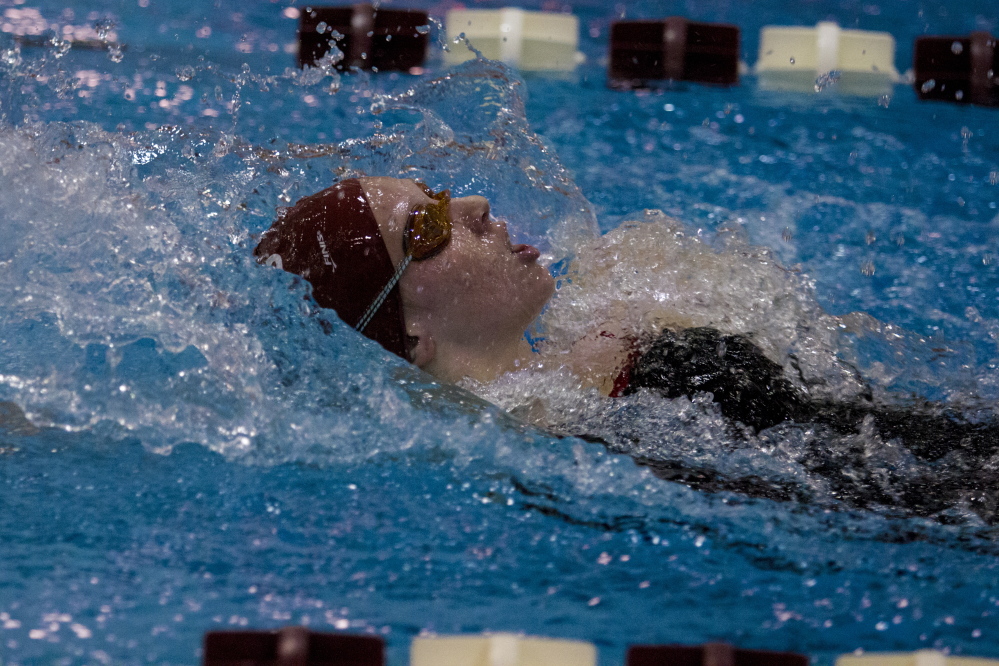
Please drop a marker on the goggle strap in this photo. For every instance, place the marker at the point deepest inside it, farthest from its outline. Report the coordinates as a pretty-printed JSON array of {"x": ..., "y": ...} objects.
[{"x": 373, "y": 308}]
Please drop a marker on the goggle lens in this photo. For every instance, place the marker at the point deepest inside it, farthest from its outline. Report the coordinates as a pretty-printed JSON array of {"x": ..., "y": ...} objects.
[{"x": 429, "y": 228}]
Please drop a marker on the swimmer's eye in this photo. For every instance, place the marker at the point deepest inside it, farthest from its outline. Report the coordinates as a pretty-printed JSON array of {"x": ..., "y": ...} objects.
[{"x": 429, "y": 228}]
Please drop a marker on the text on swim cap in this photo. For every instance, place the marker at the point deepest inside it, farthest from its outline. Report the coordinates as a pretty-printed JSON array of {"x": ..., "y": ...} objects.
[{"x": 327, "y": 259}]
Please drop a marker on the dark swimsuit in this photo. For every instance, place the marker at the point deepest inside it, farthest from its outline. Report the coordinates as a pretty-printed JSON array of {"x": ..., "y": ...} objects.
[{"x": 752, "y": 390}]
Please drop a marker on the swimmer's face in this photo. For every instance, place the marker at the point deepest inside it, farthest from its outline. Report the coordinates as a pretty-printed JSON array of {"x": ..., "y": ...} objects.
[{"x": 480, "y": 287}]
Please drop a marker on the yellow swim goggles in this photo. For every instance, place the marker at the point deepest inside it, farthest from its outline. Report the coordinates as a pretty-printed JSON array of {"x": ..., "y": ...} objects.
[{"x": 428, "y": 231}]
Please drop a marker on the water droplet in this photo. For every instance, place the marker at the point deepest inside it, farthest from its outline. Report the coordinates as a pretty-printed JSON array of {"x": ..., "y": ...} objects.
[
  {"x": 959, "y": 95},
  {"x": 11, "y": 57},
  {"x": 867, "y": 268},
  {"x": 388, "y": 38},
  {"x": 792, "y": 60},
  {"x": 185, "y": 73},
  {"x": 787, "y": 235},
  {"x": 957, "y": 48},
  {"x": 988, "y": 258},
  {"x": 423, "y": 29},
  {"x": 870, "y": 238},
  {"x": 60, "y": 47},
  {"x": 334, "y": 86},
  {"x": 884, "y": 101},
  {"x": 321, "y": 28},
  {"x": 826, "y": 80},
  {"x": 103, "y": 27},
  {"x": 336, "y": 35},
  {"x": 929, "y": 85},
  {"x": 994, "y": 178},
  {"x": 115, "y": 53}
]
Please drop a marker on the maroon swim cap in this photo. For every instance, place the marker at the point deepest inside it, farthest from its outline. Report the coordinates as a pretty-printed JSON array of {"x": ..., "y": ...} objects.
[{"x": 332, "y": 240}]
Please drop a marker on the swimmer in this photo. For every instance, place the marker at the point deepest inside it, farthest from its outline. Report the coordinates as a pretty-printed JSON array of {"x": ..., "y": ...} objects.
[
  {"x": 437, "y": 281},
  {"x": 433, "y": 279},
  {"x": 458, "y": 295}
]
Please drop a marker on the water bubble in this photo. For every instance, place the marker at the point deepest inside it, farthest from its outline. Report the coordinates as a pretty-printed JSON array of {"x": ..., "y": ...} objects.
[
  {"x": 929, "y": 85},
  {"x": 957, "y": 48},
  {"x": 115, "y": 53},
  {"x": 185, "y": 73},
  {"x": 423, "y": 29},
  {"x": 787, "y": 235},
  {"x": 378, "y": 106},
  {"x": 321, "y": 28},
  {"x": 988, "y": 258},
  {"x": 870, "y": 238},
  {"x": 868, "y": 268},
  {"x": 994, "y": 178},
  {"x": 884, "y": 101}
]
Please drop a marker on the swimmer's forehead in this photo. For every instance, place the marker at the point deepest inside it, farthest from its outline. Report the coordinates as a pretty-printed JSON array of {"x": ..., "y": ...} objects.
[{"x": 392, "y": 199}]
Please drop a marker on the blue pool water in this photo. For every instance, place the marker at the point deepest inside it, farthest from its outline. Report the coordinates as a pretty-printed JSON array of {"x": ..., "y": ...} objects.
[{"x": 206, "y": 450}]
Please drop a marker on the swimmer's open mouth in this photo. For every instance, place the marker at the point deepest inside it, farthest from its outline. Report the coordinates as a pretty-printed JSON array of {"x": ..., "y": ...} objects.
[{"x": 526, "y": 252}]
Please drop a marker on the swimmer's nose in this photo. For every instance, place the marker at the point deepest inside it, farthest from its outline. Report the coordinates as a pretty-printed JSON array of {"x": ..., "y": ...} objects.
[{"x": 471, "y": 212}]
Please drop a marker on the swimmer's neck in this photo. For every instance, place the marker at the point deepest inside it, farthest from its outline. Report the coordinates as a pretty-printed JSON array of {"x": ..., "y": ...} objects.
[{"x": 481, "y": 364}]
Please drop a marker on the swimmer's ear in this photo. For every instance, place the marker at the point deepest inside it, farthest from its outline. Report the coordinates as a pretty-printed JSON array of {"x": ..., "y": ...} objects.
[{"x": 420, "y": 346}]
